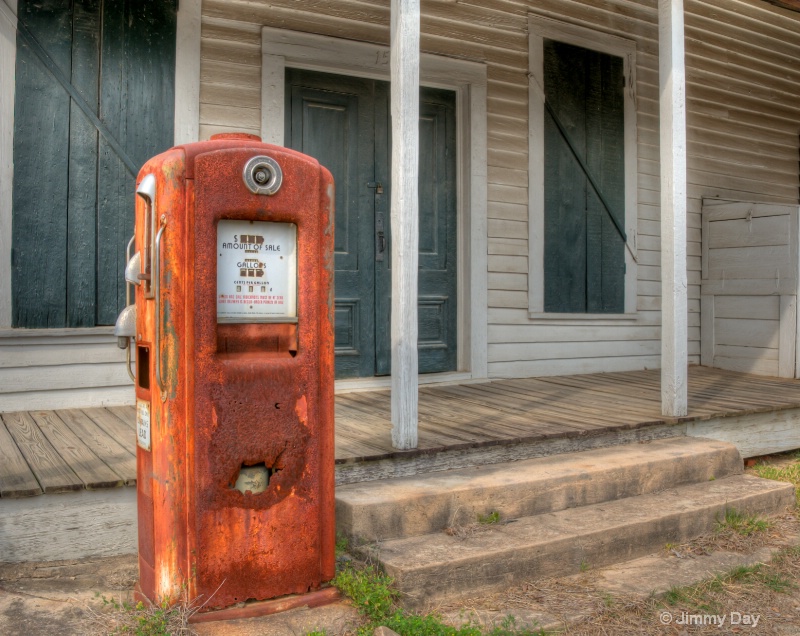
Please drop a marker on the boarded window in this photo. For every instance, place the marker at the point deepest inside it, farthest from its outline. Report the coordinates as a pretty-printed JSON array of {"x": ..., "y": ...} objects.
[
  {"x": 584, "y": 258},
  {"x": 73, "y": 197}
]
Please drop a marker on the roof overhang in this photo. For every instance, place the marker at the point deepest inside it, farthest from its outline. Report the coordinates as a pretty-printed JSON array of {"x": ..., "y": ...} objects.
[{"x": 792, "y": 5}]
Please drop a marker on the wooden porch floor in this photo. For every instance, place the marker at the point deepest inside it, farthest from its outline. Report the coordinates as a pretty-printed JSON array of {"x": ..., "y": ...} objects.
[{"x": 58, "y": 451}]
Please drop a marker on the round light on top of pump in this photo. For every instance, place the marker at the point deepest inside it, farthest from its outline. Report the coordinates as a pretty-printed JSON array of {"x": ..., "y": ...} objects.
[{"x": 262, "y": 175}]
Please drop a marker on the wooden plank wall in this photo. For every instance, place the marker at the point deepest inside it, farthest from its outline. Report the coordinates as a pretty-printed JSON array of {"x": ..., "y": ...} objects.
[
  {"x": 749, "y": 287},
  {"x": 743, "y": 89},
  {"x": 61, "y": 368},
  {"x": 743, "y": 109},
  {"x": 746, "y": 333}
]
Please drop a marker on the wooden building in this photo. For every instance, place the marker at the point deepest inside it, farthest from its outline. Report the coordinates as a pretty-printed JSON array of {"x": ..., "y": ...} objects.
[
  {"x": 579, "y": 232},
  {"x": 557, "y": 235}
]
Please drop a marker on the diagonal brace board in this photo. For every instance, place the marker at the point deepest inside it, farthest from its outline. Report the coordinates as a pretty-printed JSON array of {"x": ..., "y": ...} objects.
[
  {"x": 53, "y": 69},
  {"x": 592, "y": 181}
]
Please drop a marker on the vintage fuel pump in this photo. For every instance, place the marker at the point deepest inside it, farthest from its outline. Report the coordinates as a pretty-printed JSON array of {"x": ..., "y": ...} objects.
[{"x": 233, "y": 337}]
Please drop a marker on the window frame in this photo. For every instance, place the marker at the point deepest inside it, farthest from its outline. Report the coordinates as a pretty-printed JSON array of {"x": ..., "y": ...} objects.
[{"x": 540, "y": 29}]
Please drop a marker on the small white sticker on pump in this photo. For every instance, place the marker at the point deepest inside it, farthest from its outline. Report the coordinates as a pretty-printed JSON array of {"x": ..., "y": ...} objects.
[{"x": 143, "y": 424}]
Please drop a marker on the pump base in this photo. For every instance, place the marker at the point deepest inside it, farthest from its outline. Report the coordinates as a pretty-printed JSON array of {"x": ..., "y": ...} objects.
[{"x": 317, "y": 598}]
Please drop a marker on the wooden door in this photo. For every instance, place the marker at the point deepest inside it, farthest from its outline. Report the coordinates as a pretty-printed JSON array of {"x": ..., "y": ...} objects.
[
  {"x": 584, "y": 259},
  {"x": 344, "y": 123},
  {"x": 332, "y": 119},
  {"x": 749, "y": 287},
  {"x": 73, "y": 195}
]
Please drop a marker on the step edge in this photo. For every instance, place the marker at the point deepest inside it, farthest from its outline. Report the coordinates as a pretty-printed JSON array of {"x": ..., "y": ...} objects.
[
  {"x": 408, "y": 580},
  {"x": 392, "y": 483},
  {"x": 770, "y": 488},
  {"x": 554, "y": 491}
]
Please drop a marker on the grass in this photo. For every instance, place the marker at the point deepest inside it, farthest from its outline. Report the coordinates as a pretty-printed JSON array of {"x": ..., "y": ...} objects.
[
  {"x": 342, "y": 545},
  {"x": 372, "y": 593},
  {"x": 742, "y": 524},
  {"x": 704, "y": 596},
  {"x": 760, "y": 589},
  {"x": 734, "y": 531},
  {"x": 790, "y": 473},
  {"x": 139, "y": 619},
  {"x": 492, "y": 517},
  {"x": 469, "y": 530}
]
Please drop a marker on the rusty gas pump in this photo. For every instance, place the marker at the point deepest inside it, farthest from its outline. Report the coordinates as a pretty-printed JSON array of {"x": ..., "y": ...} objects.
[{"x": 232, "y": 330}]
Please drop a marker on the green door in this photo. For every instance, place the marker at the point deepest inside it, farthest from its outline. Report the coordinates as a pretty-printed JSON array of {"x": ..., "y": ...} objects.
[
  {"x": 73, "y": 197},
  {"x": 584, "y": 255},
  {"x": 344, "y": 123}
]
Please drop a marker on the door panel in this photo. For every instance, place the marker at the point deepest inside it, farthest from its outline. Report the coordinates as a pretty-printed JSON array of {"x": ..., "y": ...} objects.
[
  {"x": 41, "y": 181},
  {"x": 584, "y": 255},
  {"x": 438, "y": 232},
  {"x": 437, "y": 243},
  {"x": 345, "y": 123},
  {"x": 331, "y": 119}
]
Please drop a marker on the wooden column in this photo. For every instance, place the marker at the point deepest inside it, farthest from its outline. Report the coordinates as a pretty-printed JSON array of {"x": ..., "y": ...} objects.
[
  {"x": 8, "y": 59},
  {"x": 674, "y": 317},
  {"x": 187, "y": 73},
  {"x": 404, "y": 219}
]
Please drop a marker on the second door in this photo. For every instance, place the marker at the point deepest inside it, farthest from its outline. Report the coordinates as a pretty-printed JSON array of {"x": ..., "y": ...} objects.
[{"x": 344, "y": 123}]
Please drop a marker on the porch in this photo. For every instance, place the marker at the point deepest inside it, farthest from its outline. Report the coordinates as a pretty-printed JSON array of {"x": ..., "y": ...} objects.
[
  {"x": 47, "y": 452},
  {"x": 89, "y": 455}
]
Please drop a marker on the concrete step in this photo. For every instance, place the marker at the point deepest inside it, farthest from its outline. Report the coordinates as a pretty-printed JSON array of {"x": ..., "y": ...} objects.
[
  {"x": 430, "y": 568},
  {"x": 408, "y": 506}
]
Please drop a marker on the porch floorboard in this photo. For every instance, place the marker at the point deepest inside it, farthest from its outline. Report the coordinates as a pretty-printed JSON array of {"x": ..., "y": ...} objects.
[{"x": 55, "y": 451}]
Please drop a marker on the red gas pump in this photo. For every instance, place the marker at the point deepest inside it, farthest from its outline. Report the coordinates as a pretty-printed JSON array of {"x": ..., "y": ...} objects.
[{"x": 233, "y": 268}]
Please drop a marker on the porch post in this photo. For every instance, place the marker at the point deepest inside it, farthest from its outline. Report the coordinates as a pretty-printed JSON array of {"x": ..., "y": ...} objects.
[
  {"x": 674, "y": 317},
  {"x": 8, "y": 59},
  {"x": 404, "y": 219},
  {"x": 187, "y": 72}
]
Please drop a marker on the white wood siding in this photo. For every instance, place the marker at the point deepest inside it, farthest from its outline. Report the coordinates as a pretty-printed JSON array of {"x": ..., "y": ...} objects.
[
  {"x": 743, "y": 114},
  {"x": 62, "y": 368},
  {"x": 743, "y": 88},
  {"x": 749, "y": 287}
]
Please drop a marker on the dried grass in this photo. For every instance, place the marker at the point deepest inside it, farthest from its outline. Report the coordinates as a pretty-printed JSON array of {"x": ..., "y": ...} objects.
[{"x": 583, "y": 608}]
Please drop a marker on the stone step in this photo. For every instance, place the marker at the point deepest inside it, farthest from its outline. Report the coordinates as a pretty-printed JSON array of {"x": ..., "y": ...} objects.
[
  {"x": 408, "y": 506},
  {"x": 430, "y": 568}
]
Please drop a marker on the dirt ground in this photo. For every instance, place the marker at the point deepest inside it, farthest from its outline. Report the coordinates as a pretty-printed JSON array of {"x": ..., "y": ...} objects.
[
  {"x": 57, "y": 598},
  {"x": 87, "y": 597},
  {"x": 66, "y": 598},
  {"x": 619, "y": 600}
]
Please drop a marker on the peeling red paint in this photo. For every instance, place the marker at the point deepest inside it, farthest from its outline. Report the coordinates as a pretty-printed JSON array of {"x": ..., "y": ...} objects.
[{"x": 301, "y": 408}]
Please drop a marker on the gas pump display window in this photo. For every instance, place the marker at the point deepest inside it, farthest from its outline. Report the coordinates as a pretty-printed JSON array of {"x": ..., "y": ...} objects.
[{"x": 256, "y": 271}]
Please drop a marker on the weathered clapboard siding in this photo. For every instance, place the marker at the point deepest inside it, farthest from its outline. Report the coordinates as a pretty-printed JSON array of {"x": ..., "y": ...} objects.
[
  {"x": 750, "y": 280},
  {"x": 743, "y": 86},
  {"x": 743, "y": 92},
  {"x": 61, "y": 368}
]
